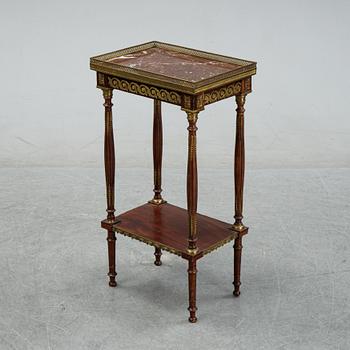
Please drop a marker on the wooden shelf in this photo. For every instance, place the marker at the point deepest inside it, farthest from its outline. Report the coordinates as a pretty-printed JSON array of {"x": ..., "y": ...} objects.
[{"x": 166, "y": 226}]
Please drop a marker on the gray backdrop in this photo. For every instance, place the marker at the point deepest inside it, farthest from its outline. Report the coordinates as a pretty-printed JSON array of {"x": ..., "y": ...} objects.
[
  {"x": 51, "y": 114},
  {"x": 53, "y": 263}
]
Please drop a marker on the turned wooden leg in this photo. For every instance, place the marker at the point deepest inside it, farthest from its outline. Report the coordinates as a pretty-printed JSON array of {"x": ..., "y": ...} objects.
[
  {"x": 239, "y": 163},
  {"x": 239, "y": 184},
  {"x": 237, "y": 266},
  {"x": 109, "y": 159},
  {"x": 192, "y": 195},
  {"x": 157, "y": 254},
  {"x": 192, "y": 274},
  {"x": 157, "y": 153},
  {"x": 111, "y": 258},
  {"x": 192, "y": 181}
]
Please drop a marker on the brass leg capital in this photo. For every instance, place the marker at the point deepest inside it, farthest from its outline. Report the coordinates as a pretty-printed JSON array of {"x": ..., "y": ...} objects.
[
  {"x": 192, "y": 251},
  {"x": 157, "y": 201},
  {"x": 239, "y": 227}
]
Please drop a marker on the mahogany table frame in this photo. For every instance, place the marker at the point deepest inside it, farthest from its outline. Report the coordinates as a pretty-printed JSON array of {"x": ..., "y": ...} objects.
[{"x": 146, "y": 223}]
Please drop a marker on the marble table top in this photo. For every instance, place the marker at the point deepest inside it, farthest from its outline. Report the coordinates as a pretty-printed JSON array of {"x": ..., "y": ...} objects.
[
  {"x": 167, "y": 65},
  {"x": 174, "y": 64}
]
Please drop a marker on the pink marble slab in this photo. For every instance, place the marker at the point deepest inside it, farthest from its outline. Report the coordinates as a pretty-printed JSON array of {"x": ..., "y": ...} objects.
[{"x": 174, "y": 64}]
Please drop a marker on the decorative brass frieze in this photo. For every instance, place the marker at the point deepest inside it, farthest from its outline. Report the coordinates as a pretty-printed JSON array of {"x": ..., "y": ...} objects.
[
  {"x": 223, "y": 92},
  {"x": 144, "y": 90}
]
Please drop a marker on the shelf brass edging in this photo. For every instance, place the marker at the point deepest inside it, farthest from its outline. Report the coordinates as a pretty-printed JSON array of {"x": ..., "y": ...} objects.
[
  {"x": 173, "y": 250},
  {"x": 148, "y": 241},
  {"x": 218, "y": 245}
]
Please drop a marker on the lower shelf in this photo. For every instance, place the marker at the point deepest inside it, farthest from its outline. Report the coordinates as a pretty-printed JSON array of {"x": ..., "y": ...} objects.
[{"x": 166, "y": 226}]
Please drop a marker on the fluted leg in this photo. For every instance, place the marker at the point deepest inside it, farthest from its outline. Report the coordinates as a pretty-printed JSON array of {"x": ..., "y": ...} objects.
[
  {"x": 192, "y": 196},
  {"x": 157, "y": 254},
  {"x": 109, "y": 159},
  {"x": 192, "y": 181},
  {"x": 239, "y": 184},
  {"x": 157, "y": 153},
  {"x": 239, "y": 163},
  {"x": 237, "y": 266},
  {"x": 192, "y": 274}
]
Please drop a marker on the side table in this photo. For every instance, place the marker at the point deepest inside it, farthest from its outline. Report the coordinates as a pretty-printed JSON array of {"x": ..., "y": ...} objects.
[{"x": 191, "y": 79}]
